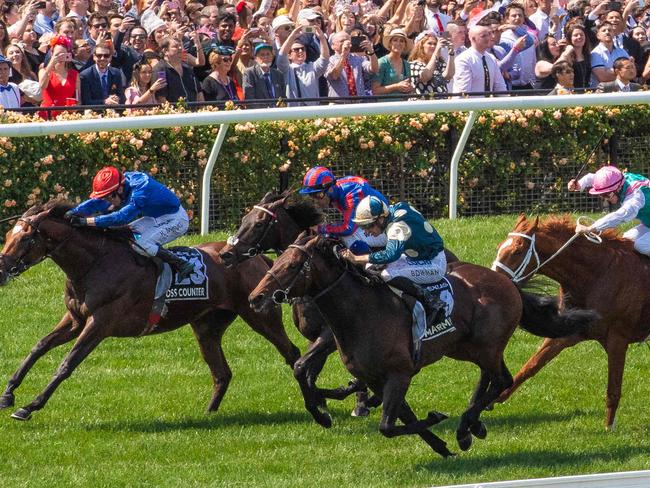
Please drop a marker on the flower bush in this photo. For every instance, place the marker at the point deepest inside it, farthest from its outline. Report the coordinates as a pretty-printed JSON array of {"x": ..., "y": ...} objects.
[{"x": 406, "y": 155}]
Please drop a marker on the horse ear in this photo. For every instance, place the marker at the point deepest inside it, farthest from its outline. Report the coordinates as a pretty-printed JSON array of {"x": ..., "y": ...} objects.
[
  {"x": 288, "y": 193},
  {"x": 536, "y": 223},
  {"x": 521, "y": 219}
]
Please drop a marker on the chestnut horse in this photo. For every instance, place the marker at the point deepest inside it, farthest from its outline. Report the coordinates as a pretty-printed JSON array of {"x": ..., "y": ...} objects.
[
  {"x": 372, "y": 328},
  {"x": 610, "y": 278},
  {"x": 109, "y": 293}
]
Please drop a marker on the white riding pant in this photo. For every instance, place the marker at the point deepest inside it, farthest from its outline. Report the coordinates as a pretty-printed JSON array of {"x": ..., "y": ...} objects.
[
  {"x": 641, "y": 237},
  {"x": 153, "y": 232},
  {"x": 422, "y": 272},
  {"x": 359, "y": 235}
]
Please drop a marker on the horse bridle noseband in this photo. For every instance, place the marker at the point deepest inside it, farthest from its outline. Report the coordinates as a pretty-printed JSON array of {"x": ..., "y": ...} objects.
[
  {"x": 20, "y": 265},
  {"x": 255, "y": 248},
  {"x": 282, "y": 295}
]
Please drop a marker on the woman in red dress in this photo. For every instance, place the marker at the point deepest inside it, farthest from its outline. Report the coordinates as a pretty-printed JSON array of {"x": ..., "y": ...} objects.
[{"x": 59, "y": 80}]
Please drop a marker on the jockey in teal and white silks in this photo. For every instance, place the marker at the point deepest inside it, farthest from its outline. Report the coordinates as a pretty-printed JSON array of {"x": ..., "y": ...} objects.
[
  {"x": 633, "y": 193},
  {"x": 414, "y": 254}
]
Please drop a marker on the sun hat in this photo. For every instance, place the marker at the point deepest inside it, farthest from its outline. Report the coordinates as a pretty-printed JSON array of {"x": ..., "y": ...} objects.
[{"x": 399, "y": 32}]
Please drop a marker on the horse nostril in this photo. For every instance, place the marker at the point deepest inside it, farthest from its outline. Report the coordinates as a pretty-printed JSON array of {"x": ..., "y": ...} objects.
[
  {"x": 226, "y": 256},
  {"x": 256, "y": 300}
]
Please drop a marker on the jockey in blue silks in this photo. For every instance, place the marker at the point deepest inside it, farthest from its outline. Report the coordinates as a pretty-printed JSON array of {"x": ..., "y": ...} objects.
[
  {"x": 344, "y": 194},
  {"x": 134, "y": 199},
  {"x": 414, "y": 254}
]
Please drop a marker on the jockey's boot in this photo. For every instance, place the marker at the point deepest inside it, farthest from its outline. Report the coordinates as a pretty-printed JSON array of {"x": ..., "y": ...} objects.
[
  {"x": 433, "y": 306},
  {"x": 183, "y": 268}
]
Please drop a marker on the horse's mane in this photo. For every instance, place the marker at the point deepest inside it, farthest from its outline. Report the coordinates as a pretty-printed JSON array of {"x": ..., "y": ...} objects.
[
  {"x": 564, "y": 225},
  {"x": 303, "y": 212},
  {"x": 57, "y": 208}
]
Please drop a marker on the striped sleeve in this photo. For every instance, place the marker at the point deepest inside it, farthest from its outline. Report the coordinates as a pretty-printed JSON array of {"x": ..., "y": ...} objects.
[{"x": 346, "y": 227}]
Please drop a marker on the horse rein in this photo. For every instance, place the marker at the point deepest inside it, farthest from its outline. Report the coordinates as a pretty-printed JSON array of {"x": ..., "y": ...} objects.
[
  {"x": 282, "y": 295},
  {"x": 20, "y": 265},
  {"x": 255, "y": 249},
  {"x": 516, "y": 275}
]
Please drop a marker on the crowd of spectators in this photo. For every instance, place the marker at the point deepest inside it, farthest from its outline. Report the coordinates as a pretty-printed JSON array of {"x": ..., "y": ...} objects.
[{"x": 106, "y": 52}]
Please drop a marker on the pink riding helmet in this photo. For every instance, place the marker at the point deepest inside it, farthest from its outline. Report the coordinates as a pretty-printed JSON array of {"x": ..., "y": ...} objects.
[{"x": 607, "y": 179}]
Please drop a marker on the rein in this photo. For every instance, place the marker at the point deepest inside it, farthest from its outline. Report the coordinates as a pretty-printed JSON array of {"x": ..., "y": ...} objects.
[
  {"x": 282, "y": 295},
  {"x": 256, "y": 248}
]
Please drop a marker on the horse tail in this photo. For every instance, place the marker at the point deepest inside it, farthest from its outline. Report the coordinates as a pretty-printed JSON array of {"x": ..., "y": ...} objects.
[{"x": 541, "y": 316}]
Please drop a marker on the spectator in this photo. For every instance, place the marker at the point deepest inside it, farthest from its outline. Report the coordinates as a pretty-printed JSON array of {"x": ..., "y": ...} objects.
[
  {"x": 79, "y": 9},
  {"x": 66, "y": 27},
  {"x": 345, "y": 73},
  {"x": 625, "y": 71},
  {"x": 562, "y": 73},
  {"x": 44, "y": 21},
  {"x": 477, "y": 70},
  {"x": 101, "y": 84},
  {"x": 394, "y": 73},
  {"x": 59, "y": 81},
  {"x": 505, "y": 58},
  {"x": 218, "y": 85},
  {"x": 548, "y": 53},
  {"x": 9, "y": 92},
  {"x": 580, "y": 49},
  {"x": 33, "y": 56},
  {"x": 345, "y": 19},
  {"x": 244, "y": 60},
  {"x": 181, "y": 82},
  {"x": 4, "y": 36},
  {"x": 430, "y": 71},
  {"x": 114, "y": 23},
  {"x": 142, "y": 91},
  {"x": 103, "y": 7},
  {"x": 548, "y": 19},
  {"x": 18, "y": 16},
  {"x": 262, "y": 81},
  {"x": 623, "y": 41},
  {"x": 282, "y": 26},
  {"x": 20, "y": 69},
  {"x": 458, "y": 36},
  {"x": 82, "y": 55},
  {"x": 300, "y": 75},
  {"x": 98, "y": 29},
  {"x": 522, "y": 73},
  {"x": 129, "y": 44},
  {"x": 604, "y": 55},
  {"x": 373, "y": 28},
  {"x": 436, "y": 21},
  {"x": 226, "y": 24}
]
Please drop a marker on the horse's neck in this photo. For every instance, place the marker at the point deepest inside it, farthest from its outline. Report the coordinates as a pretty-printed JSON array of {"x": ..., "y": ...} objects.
[
  {"x": 289, "y": 231},
  {"x": 572, "y": 267},
  {"x": 78, "y": 253}
]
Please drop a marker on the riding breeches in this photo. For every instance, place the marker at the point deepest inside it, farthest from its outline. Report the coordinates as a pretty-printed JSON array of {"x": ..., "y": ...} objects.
[
  {"x": 359, "y": 235},
  {"x": 422, "y": 272},
  {"x": 641, "y": 237},
  {"x": 152, "y": 232}
]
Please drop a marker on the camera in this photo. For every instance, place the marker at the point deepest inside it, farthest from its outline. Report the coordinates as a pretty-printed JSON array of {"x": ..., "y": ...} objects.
[
  {"x": 356, "y": 44},
  {"x": 308, "y": 29},
  {"x": 422, "y": 3}
]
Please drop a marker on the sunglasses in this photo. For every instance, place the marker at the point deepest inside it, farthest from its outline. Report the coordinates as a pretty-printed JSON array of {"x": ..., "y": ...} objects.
[
  {"x": 99, "y": 26},
  {"x": 317, "y": 196},
  {"x": 102, "y": 56},
  {"x": 226, "y": 59},
  {"x": 297, "y": 49},
  {"x": 138, "y": 36}
]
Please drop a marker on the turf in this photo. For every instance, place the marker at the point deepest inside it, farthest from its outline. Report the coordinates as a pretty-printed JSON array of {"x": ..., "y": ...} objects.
[{"x": 133, "y": 413}]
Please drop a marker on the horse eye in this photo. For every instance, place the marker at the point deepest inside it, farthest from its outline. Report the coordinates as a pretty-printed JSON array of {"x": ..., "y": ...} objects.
[{"x": 259, "y": 224}]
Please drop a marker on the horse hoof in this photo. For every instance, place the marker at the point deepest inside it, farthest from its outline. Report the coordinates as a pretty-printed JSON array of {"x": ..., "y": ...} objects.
[
  {"x": 490, "y": 407},
  {"x": 434, "y": 418},
  {"x": 360, "y": 411},
  {"x": 464, "y": 440},
  {"x": 478, "y": 430},
  {"x": 21, "y": 414},
  {"x": 6, "y": 401},
  {"x": 322, "y": 418}
]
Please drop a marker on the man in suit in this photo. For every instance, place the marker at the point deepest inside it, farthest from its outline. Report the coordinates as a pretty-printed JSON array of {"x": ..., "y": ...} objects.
[
  {"x": 262, "y": 81},
  {"x": 476, "y": 69},
  {"x": 100, "y": 83},
  {"x": 625, "y": 71}
]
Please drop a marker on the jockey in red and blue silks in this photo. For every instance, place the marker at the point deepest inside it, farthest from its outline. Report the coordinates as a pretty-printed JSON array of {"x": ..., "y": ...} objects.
[{"x": 344, "y": 194}]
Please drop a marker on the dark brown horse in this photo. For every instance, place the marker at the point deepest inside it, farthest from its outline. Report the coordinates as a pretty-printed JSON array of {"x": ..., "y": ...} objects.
[
  {"x": 109, "y": 293},
  {"x": 372, "y": 328},
  {"x": 610, "y": 278}
]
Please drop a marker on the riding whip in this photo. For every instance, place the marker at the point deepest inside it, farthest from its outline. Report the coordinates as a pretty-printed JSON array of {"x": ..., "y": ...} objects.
[
  {"x": 7, "y": 219},
  {"x": 593, "y": 151}
]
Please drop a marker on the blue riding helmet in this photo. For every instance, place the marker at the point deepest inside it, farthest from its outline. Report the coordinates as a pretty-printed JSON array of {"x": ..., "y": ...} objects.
[{"x": 316, "y": 180}]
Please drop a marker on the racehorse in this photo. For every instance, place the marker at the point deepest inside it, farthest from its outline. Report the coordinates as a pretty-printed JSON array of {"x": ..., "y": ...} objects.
[
  {"x": 109, "y": 292},
  {"x": 610, "y": 278},
  {"x": 372, "y": 328}
]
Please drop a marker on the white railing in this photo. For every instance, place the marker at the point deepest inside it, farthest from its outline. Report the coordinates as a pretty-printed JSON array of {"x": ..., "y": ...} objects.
[
  {"x": 627, "y": 479},
  {"x": 225, "y": 118}
]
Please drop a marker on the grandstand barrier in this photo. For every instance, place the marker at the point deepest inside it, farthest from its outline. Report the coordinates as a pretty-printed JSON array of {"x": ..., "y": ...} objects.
[
  {"x": 224, "y": 118},
  {"x": 625, "y": 479}
]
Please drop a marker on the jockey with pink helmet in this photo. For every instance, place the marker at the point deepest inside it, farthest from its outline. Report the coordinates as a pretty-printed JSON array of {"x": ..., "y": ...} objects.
[
  {"x": 344, "y": 194},
  {"x": 632, "y": 191},
  {"x": 151, "y": 211}
]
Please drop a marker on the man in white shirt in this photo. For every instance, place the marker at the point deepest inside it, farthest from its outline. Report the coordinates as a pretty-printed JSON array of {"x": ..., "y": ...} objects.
[
  {"x": 9, "y": 93},
  {"x": 522, "y": 73},
  {"x": 476, "y": 69},
  {"x": 604, "y": 55},
  {"x": 544, "y": 15},
  {"x": 436, "y": 21}
]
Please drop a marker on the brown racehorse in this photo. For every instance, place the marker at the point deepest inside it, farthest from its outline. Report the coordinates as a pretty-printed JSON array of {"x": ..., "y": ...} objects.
[
  {"x": 109, "y": 293},
  {"x": 372, "y": 328},
  {"x": 610, "y": 278}
]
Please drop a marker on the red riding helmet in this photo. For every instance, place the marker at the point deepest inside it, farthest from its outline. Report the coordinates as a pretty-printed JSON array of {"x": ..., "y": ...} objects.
[{"x": 106, "y": 181}]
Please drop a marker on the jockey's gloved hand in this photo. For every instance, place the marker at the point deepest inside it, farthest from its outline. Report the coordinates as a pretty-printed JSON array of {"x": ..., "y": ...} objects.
[
  {"x": 68, "y": 215},
  {"x": 78, "y": 221}
]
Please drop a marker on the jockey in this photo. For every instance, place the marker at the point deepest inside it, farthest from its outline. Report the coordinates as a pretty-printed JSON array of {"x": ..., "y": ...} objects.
[
  {"x": 414, "y": 254},
  {"x": 344, "y": 194},
  {"x": 632, "y": 191},
  {"x": 152, "y": 212}
]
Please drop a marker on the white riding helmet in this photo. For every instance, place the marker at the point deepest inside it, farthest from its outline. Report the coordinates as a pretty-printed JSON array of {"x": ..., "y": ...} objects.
[{"x": 369, "y": 210}]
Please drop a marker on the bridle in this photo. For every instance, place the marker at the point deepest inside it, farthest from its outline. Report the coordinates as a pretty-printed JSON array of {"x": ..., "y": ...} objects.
[
  {"x": 255, "y": 248},
  {"x": 282, "y": 295},
  {"x": 20, "y": 265},
  {"x": 517, "y": 275}
]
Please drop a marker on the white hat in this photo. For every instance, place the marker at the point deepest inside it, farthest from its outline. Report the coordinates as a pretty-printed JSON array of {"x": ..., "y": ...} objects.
[
  {"x": 281, "y": 20},
  {"x": 151, "y": 22},
  {"x": 308, "y": 14}
]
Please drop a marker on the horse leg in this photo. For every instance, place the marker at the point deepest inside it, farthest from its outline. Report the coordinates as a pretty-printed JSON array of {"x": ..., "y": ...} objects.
[
  {"x": 463, "y": 434},
  {"x": 62, "y": 333},
  {"x": 616, "y": 347},
  {"x": 306, "y": 371},
  {"x": 88, "y": 340},
  {"x": 209, "y": 331},
  {"x": 436, "y": 443},
  {"x": 547, "y": 351},
  {"x": 269, "y": 325}
]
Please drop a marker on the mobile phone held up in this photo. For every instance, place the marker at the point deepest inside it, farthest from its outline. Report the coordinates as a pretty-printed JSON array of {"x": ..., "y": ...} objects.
[
  {"x": 308, "y": 29},
  {"x": 40, "y": 5},
  {"x": 614, "y": 6},
  {"x": 356, "y": 44}
]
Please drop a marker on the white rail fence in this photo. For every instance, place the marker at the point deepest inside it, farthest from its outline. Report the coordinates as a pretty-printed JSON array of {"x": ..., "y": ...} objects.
[
  {"x": 225, "y": 118},
  {"x": 626, "y": 479}
]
